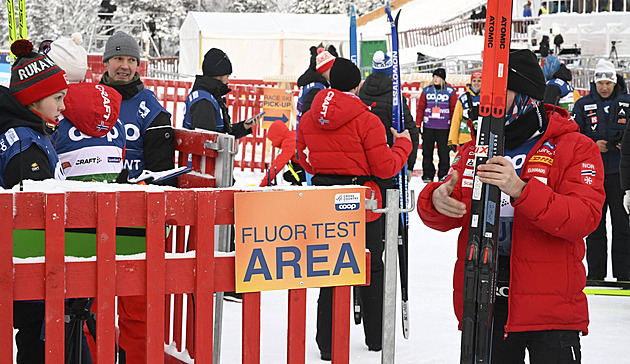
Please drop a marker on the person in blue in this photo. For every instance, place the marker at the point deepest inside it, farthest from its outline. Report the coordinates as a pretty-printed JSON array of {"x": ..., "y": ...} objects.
[
  {"x": 29, "y": 112},
  {"x": 205, "y": 106},
  {"x": 149, "y": 134},
  {"x": 602, "y": 115},
  {"x": 527, "y": 10},
  {"x": 435, "y": 110},
  {"x": 150, "y": 145},
  {"x": 559, "y": 90}
]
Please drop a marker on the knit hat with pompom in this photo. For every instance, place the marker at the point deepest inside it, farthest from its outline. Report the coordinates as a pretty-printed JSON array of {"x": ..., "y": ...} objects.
[
  {"x": 68, "y": 54},
  {"x": 34, "y": 76}
]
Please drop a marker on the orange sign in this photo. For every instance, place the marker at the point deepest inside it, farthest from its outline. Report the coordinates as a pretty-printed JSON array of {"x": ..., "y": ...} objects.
[
  {"x": 300, "y": 238},
  {"x": 277, "y": 106}
]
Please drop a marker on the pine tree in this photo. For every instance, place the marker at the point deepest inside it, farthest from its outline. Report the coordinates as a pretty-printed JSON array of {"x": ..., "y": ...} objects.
[{"x": 248, "y": 6}]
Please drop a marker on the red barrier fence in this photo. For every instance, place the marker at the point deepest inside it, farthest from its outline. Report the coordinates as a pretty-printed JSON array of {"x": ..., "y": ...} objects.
[{"x": 156, "y": 277}]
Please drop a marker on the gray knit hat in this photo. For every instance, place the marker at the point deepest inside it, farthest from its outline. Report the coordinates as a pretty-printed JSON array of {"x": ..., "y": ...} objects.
[{"x": 121, "y": 44}]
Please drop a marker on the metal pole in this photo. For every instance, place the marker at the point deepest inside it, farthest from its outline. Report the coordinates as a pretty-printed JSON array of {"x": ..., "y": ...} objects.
[
  {"x": 390, "y": 284},
  {"x": 224, "y": 173}
]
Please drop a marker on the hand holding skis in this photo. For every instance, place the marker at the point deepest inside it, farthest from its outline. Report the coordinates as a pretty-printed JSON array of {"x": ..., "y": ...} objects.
[
  {"x": 443, "y": 201},
  {"x": 500, "y": 172},
  {"x": 403, "y": 134}
]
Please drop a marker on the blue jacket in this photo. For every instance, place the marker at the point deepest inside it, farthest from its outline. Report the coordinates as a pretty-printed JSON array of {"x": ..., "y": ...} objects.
[{"x": 594, "y": 122}]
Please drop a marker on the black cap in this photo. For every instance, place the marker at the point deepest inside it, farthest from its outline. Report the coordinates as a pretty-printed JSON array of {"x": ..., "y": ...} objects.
[
  {"x": 440, "y": 72},
  {"x": 344, "y": 75},
  {"x": 525, "y": 75},
  {"x": 216, "y": 63}
]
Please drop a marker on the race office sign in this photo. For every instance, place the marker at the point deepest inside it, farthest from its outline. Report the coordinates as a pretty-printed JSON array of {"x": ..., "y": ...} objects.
[{"x": 300, "y": 238}]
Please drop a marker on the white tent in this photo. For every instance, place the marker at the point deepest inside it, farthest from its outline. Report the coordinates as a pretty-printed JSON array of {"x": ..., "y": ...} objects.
[{"x": 260, "y": 44}]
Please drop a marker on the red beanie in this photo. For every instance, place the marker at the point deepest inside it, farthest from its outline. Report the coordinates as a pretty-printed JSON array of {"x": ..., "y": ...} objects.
[
  {"x": 34, "y": 76},
  {"x": 476, "y": 74},
  {"x": 92, "y": 108},
  {"x": 324, "y": 61}
]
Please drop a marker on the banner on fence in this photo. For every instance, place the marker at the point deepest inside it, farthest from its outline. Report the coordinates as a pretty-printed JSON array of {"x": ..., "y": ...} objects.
[
  {"x": 276, "y": 105},
  {"x": 299, "y": 239}
]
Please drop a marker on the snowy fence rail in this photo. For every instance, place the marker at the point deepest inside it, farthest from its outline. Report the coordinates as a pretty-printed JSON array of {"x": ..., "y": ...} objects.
[{"x": 442, "y": 34}]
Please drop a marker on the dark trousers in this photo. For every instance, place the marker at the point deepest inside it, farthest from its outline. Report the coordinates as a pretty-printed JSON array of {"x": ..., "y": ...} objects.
[
  {"x": 430, "y": 137},
  {"x": 544, "y": 347},
  {"x": 371, "y": 296},
  {"x": 597, "y": 242},
  {"x": 28, "y": 318}
]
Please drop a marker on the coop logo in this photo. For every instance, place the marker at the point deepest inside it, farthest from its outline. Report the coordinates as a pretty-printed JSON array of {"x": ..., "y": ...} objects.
[
  {"x": 347, "y": 201},
  {"x": 437, "y": 97}
]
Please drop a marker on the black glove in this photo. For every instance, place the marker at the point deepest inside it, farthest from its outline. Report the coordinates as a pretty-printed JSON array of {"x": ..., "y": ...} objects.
[{"x": 452, "y": 147}]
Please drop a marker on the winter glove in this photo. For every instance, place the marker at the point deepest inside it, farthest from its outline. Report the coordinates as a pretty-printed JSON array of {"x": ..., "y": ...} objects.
[
  {"x": 626, "y": 201},
  {"x": 452, "y": 147}
]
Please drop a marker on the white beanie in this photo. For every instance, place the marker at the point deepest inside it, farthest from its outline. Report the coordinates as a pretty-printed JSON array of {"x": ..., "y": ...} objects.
[
  {"x": 605, "y": 71},
  {"x": 68, "y": 54}
]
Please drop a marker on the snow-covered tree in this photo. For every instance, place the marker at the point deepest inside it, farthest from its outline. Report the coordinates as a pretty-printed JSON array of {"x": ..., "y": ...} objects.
[{"x": 249, "y": 6}]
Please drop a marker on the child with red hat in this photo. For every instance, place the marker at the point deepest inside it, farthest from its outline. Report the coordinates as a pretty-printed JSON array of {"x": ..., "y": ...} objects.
[{"x": 30, "y": 108}]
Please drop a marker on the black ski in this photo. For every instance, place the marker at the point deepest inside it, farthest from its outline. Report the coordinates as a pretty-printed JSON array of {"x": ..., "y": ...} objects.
[{"x": 481, "y": 254}]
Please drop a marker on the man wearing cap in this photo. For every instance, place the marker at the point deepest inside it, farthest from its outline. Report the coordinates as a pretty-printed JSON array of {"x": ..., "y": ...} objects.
[
  {"x": 551, "y": 179},
  {"x": 376, "y": 92},
  {"x": 341, "y": 143},
  {"x": 149, "y": 134},
  {"x": 150, "y": 144},
  {"x": 602, "y": 116},
  {"x": 466, "y": 113},
  {"x": 434, "y": 110},
  {"x": 205, "y": 105}
]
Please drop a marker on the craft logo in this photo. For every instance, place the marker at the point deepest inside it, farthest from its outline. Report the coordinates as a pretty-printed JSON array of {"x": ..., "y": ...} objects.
[{"x": 347, "y": 201}]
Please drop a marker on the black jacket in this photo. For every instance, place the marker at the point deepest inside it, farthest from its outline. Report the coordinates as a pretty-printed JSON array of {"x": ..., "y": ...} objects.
[
  {"x": 377, "y": 90},
  {"x": 159, "y": 139},
  {"x": 203, "y": 113},
  {"x": 12, "y": 115}
]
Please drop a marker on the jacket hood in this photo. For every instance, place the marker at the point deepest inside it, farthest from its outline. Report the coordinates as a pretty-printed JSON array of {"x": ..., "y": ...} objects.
[
  {"x": 376, "y": 84},
  {"x": 333, "y": 108},
  {"x": 559, "y": 121},
  {"x": 311, "y": 76},
  {"x": 92, "y": 108},
  {"x": 13, "y": 114},
  {"x": 277, "y": 132}
]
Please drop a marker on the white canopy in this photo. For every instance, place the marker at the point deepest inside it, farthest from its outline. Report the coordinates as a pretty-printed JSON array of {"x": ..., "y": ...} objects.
[{"x": 260, "y": 44}]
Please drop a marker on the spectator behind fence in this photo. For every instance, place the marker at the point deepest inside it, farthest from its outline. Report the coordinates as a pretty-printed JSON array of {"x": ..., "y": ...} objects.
[
  {"x": 466, "y": 113},
  {"x": 205, "y": 105},
  {"x": 150, "y": 145},
  {"x": 434, "y": 110},
  {"x": 559, "y": 90},
  {"x": 347, "y": 146},
  {"x": 30, "y": 110},
  {"x": 602, "y": 116},
  {"x": 283, "y": 139},
  {"x": 549, "y": 203}
]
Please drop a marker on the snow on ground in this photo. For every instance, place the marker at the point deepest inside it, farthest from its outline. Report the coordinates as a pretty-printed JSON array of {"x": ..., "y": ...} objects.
[{"x": 434, "y": 337}]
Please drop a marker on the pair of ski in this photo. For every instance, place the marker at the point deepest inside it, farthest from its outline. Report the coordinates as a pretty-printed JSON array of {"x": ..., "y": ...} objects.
[
  {"x": 398, "y": 123},
  {"x": 481, "y": 253},
  {"x": 20, "y": 28}
]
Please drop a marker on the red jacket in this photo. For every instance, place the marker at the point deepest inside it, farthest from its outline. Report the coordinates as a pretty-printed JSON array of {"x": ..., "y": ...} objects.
[
  {"x": 560, "y": 205},
  {"x": 344, "y": 138},
  {"x": 282, "y": 138}
]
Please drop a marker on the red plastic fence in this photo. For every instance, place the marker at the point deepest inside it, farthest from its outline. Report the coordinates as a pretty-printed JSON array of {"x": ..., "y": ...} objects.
[{"x": 157, "y": 277}]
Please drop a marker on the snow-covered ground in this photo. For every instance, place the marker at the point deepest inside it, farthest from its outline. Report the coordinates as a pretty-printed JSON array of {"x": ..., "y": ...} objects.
[{"x": 434, "y": 337}]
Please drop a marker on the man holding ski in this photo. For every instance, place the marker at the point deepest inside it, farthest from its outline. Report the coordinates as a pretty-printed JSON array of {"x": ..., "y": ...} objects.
[{"x": 551, "y": 182}]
